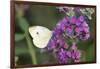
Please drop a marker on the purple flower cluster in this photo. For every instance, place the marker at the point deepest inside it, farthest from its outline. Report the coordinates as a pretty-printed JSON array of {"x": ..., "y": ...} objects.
[
  {"x": 57, "y": 39},
  {"x": 71, "y": 27},
  {"x": 62, "y": 56},
  {"x": 75, "y": 27},
  {"x": 73, "y": 54}
]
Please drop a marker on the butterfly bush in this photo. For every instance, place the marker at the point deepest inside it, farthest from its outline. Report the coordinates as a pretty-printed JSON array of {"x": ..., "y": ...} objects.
[{"x": 71, "y": 27}]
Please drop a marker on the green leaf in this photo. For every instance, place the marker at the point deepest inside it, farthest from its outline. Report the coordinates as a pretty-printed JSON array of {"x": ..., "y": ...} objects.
[
  {"x": 90, "y": 53},
  {"x": 71, "y": 13},
  {"x": 19, "y": 37},
  {"x": 88, "y": 12},
  {"x": 23, "y": 23}
]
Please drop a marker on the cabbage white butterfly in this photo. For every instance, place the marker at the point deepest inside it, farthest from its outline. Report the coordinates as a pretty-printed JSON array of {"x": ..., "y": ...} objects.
[{"x": 41, "y": 35}]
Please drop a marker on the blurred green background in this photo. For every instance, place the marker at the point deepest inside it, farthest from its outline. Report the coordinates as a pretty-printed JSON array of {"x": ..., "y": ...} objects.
[{"x": 47, "y": 16}]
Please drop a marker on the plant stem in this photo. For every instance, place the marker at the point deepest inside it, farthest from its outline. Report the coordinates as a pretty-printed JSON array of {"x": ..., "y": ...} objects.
[
  {"x": 24, "y": 27},
  {"x": 31, "y": 48}
]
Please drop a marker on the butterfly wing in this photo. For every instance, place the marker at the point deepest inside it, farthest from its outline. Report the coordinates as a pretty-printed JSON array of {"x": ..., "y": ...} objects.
[{"x": 41, "y": 36}]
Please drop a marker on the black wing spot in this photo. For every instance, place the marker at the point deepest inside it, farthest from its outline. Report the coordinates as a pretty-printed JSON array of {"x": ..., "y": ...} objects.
[{"x": 37, "y": 32}]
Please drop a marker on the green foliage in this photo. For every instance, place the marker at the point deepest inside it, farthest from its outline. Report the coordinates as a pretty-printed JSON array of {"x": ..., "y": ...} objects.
[
  {"x": 90, "y": 53},
  {"x": 19, "y": 37},
  {"x": 87, "y": 12},
  {"x": 23, "y": 23},
  {"x": 70, "y": 13}
]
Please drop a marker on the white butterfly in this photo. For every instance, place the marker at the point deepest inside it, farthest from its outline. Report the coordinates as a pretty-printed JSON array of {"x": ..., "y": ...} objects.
[{"x": 41, "y": 36}]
